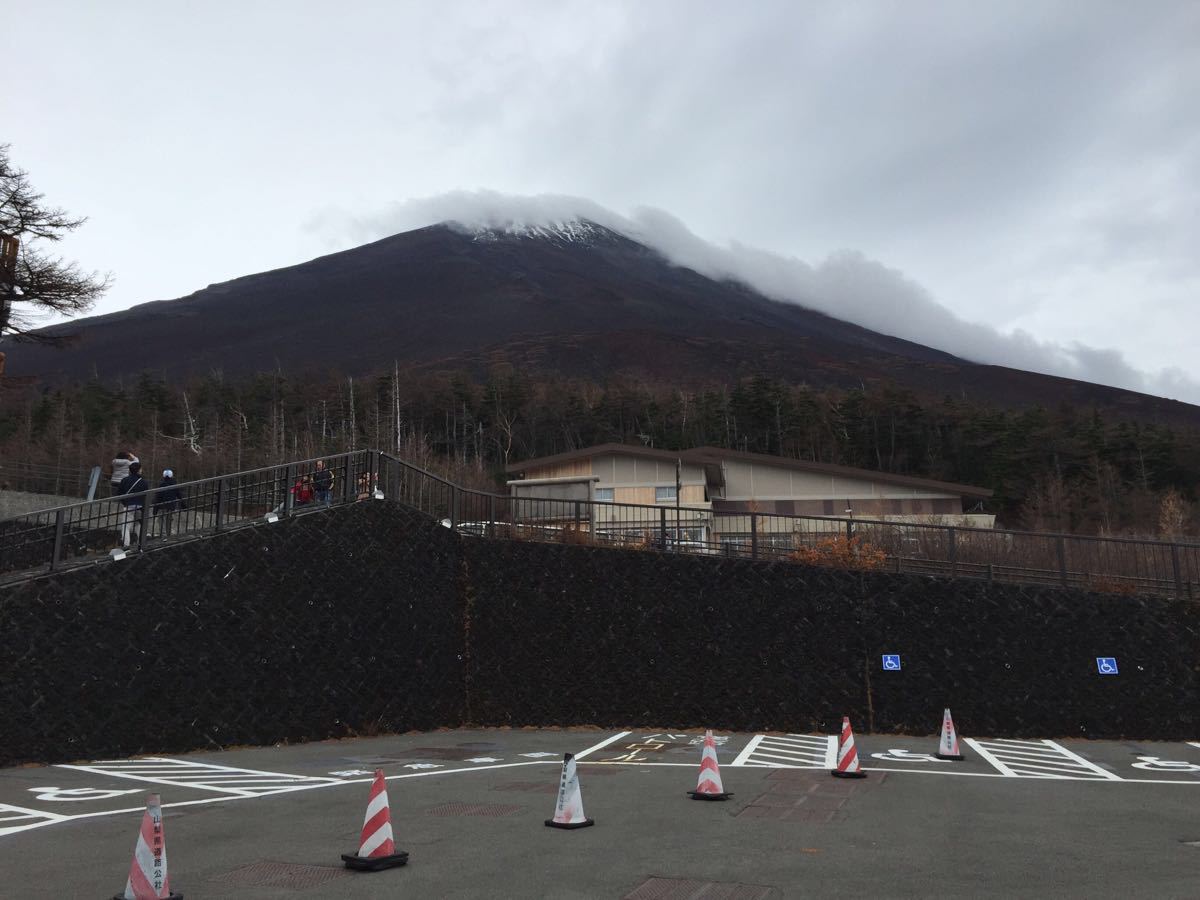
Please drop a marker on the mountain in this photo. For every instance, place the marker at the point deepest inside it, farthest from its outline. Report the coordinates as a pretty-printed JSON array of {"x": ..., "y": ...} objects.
[{"x": 576, "y": 298}]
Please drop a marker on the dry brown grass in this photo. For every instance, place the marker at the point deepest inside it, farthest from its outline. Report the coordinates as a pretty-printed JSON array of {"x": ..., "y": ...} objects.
[{"x": 840, "y": 552}]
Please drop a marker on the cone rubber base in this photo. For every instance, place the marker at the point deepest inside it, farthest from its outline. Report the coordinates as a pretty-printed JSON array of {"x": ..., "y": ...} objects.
[
  {"x": 584, "y": 824},
  {"x": 374, "y": 863},
  {"x": 957, "y": 756},
  {"x": 697, "y": 795},
  {"x": 836, "y": 774},
  {"x": 170, "y": 896}
]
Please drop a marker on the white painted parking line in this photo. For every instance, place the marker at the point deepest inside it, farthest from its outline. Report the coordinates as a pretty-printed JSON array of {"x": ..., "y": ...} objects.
[
  {"x": 602, "y": 744},
  {"x": 793, "y": 751},
  {"x": 17, "y": 818},
  {"x": 205, "y": 776},
  {"x": 740, "y": 759},
  {"x": 1195, "y": 744},
  {"x": 1040, "y": 759}
]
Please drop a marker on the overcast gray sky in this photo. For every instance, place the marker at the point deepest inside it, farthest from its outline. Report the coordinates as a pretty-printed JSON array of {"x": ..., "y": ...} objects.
[{"x": 1029, "y": 167}]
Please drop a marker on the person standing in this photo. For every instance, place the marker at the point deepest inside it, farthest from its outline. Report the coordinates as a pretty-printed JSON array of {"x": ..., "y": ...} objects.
[
  {"x": 322, "y": 483},
  {"x": 120, "y": 469},
  {"x": 135, "y": 484},
  {"x": 167, "y": 501}
]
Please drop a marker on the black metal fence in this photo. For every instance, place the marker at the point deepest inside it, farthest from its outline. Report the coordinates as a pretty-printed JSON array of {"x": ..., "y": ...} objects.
[
  {"x": 55, "y": 538},
  {"x": 1111, "y": 565},
  {"x": 52, "y": 539}
]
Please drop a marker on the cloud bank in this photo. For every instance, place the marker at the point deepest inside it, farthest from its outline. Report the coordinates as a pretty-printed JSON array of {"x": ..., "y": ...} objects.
[{"x": 847, "y": 285}]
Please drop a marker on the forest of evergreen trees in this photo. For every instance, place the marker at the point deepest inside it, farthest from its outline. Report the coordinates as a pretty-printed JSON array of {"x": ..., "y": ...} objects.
[{"x": 1052, "y": 468}]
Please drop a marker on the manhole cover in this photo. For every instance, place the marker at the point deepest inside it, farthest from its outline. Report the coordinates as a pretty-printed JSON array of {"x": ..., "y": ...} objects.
[
  {"x": 281, "y": 874},
  {"x": 492, "y": 810},
  {"x": 656, "y": 888}
]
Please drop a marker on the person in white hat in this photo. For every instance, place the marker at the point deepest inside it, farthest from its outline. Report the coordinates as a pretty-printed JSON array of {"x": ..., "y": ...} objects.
[{"x": 168, "y": 500}]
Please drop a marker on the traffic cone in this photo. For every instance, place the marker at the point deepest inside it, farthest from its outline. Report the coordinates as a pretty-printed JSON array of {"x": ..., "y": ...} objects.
[
  {"x": 847, "y": 756},
  {"x": 709, "y": 787},
  {"x": 948, "y": 747},
  {"x": 376, "y": 851},
  {"x": 568, "y": 811},
  {"x": 148, "y": 873}
]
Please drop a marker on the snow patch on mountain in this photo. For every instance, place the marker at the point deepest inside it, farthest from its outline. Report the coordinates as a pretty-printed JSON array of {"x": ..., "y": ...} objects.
[{"x": 567, "y": 231}]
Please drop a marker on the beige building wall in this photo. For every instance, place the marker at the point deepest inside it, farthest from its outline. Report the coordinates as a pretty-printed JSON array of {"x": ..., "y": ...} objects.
[
  {"x": 569, "y": 469},
  {"x": 754, "y": 481}
]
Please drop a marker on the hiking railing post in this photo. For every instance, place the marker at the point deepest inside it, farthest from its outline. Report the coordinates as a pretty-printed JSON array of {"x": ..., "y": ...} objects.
[
  {"x": 348, "y": 489},
  {"x": 578, "y": 515},
  {"x": 662, "y": 528},
  {"x": 952, "y": 551},
  {"x": 220, "y": 517},
  {"x": 491, "y": 525},
  {"x": 289, "y": 497},
  {"x": 754, "y": 535},
  {"x": 1175, "y": 569},
  {"x": 455, "y": 499},
  {"x": 59, "y": 525},
  {"x": 144, "y": 520},
  {"x": 1062, "y": 560},
  {"x": 849, "y": 530}
]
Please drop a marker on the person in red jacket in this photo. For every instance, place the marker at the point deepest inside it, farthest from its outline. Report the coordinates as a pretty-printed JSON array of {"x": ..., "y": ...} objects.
[{"x": 302, "y": 492}]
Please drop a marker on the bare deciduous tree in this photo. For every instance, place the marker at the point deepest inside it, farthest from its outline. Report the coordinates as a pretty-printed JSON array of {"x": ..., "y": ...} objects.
[{"x": 40, "y": 282}]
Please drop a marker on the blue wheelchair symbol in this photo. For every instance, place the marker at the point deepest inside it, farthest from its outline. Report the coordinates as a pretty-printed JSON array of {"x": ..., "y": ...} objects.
[
  {"x": 891, "y": 662},
  {"x": 1106, "y": 665}
]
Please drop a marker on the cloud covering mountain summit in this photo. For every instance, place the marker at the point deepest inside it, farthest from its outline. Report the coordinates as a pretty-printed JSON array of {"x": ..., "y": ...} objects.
[{"x": 846, "y": 285}]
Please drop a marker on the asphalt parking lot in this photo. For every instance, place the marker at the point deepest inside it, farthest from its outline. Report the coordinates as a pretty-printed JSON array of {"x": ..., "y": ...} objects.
[{"x": 1014, "y": 819}]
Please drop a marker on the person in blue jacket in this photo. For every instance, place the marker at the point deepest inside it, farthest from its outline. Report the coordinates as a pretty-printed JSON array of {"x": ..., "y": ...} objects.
[
  {"x": 168, "y": 500},
  {"x": 131, "y": 513}
]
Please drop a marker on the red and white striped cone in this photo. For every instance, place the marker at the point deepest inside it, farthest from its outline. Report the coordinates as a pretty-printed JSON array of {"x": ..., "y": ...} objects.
[
  {"x": 148, "y": 873},
  {"x": 709, "y": 786},
  {"x": 376, "y": 850},
  {"x": 948, "y": 745},
  {"x": 568, "y": 810},
  {"x": 847, "y": 756}
]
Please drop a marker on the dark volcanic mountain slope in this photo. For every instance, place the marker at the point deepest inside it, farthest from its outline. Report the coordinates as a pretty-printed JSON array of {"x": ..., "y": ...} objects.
[
  {"x": 429, "y": 294},
  {"x": 581, "y": 300}
]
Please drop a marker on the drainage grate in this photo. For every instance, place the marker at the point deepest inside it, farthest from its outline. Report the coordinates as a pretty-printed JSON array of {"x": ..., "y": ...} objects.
[
  {"x": 656, "y": 888},
  {"x": 267, "y": 873},
  {"x": 492, "y": 810}
]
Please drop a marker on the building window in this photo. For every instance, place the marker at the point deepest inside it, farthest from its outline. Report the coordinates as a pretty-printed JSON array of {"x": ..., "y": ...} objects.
[
  {"x": 664, "y": 494},
  {"x": 604, "y": 495}
]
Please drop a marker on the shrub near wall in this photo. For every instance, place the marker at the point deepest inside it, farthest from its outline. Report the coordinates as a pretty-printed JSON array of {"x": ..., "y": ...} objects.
[{"x": 336, "y": 623}]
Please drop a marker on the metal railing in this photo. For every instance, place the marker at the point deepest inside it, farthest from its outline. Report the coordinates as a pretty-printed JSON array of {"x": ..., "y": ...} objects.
[
  {"x": 1111, "y": 565},
  {"x": 52, "y": 539}
]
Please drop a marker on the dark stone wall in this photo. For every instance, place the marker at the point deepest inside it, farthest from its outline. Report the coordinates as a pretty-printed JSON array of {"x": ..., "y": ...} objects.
[
  {"x": 570, "y": 635},
  {"x": 337, "y": 623},
  {"x": 372, "y": 620}
]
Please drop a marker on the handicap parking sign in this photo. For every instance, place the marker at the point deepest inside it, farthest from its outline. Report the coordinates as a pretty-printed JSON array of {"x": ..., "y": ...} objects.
[
  {"x": 891, "y": 662},
  {"x": 1106, "y": 665}
]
